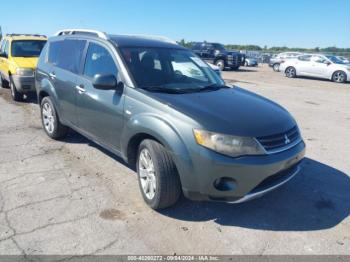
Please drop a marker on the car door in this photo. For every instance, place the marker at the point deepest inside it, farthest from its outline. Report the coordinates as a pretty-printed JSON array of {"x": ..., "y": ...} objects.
[
  {"x": 100, "y": 112},
  {"x": 65, "y": 58},
  {"x": 303, "y": 64},
  {"x": 319, "y": 66}
]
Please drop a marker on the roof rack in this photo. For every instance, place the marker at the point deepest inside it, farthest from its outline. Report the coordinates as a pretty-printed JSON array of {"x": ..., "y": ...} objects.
[
  {"x": 82, "y": 31},
  {"x": 37, "y": 35}
]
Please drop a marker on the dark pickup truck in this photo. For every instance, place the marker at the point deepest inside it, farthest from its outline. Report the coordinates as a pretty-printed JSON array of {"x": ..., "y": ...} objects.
[{"x": 216, "y": 54}]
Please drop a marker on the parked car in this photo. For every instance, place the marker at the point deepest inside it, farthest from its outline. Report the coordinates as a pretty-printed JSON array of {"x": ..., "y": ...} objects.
[
  {"x": 316, "y": 65},
  {"x": 275, "y": 61},
  {"x": 18, "y": 58},
  {"x": 344, "y": 59},
  {"x": 217, "y": 54},
  {"x": 249, "y": 61},
  {"x": 183, "y": 129}
]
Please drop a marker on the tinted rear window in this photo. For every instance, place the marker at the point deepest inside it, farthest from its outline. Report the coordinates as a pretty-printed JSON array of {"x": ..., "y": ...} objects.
[{"x": 67, "y": 54}]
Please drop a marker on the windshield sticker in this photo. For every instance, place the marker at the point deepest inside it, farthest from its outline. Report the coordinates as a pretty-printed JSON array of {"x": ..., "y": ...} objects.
[{"x": 199, "y": 62}]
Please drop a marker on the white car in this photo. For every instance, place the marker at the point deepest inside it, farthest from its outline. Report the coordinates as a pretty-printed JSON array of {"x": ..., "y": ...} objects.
[{"x": 317, "y": 65}]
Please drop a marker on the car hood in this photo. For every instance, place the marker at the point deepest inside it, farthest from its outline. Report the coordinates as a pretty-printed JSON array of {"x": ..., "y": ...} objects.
[
  {"x": 27, "y": 62},
  {"x": 232, "y": 111}
]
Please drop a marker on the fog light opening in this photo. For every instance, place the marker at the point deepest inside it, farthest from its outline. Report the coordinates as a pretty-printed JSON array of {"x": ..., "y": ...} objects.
[{"x": 225, "y": 184}]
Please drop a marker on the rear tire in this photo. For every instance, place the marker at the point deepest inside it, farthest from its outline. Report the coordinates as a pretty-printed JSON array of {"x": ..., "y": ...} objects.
[
  {"x": 291, "y": 72},
  {"x": 339, "y": 77},
  {"x": 50, "y": 121},
  {"x": 16, "y": 96},
  {"x": 158, "y": 178},
  {"x": 276, "y": 67}
]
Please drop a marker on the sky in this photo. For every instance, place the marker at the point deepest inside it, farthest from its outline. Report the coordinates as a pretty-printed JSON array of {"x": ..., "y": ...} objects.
[{"x": 294, "y": 23}]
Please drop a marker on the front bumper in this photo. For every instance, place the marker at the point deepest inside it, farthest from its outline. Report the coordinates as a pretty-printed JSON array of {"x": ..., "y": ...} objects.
[
  {"x": 252, "y": 176},
  {"x": 24, "y": 84}
]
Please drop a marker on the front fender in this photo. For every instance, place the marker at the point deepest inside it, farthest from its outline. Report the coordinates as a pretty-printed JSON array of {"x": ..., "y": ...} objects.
[{"x": 165, "y": 133}]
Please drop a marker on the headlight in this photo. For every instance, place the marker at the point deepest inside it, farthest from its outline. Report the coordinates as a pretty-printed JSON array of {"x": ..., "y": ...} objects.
[
  {"x": 25, "y": 72},
  {"x": 228, "y": 145}
]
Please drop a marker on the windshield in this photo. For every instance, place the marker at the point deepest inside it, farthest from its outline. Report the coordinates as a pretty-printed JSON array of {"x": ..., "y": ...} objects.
[
  {"x": 335, "y": 59},
  {"x": 219, "y": 47},
  {"x": 27, "y": 48},
  {"x": 164, "y": 69}
]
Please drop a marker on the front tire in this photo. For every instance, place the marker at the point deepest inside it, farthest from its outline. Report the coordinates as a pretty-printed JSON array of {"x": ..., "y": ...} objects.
[
  {"x": 50, "y": 121},
  {"x": 3, "y": 83},
  {"x": 158, "y": 178},
  {"x": 276, "y": 67},
  {"x": 291, "y": 72},
  {"x": 16, "y": 96},
  {"x": 221, "y": 64},
  {"x": 339, "y": 77}
]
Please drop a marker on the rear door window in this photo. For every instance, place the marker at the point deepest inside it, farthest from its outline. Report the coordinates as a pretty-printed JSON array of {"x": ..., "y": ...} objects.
[{"x": 67, "y": 54}]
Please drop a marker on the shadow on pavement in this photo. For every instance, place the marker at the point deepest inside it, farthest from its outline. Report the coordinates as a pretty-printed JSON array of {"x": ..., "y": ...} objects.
[{"x": 318, "y": 198}]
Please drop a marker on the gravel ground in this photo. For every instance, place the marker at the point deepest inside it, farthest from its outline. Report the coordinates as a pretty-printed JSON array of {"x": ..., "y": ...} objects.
[{"x": 74, "y": 198}]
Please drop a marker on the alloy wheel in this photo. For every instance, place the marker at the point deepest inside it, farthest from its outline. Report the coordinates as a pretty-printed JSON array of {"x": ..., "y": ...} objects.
[
  {"x": 339, "y": 77},
  {"x": 48, "y": 118},
  {"x": 147, "y": 174},
  {"x": 290, "y": 72}
]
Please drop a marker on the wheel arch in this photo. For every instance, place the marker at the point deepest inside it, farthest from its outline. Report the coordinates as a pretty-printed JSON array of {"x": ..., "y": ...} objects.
[
  {"x": 46, "y": 89},
  {"x": 148, "y": 126}
]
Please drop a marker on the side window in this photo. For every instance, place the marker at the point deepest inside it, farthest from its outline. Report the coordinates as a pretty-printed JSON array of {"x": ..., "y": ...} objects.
[
  {"x": 319, "y": 59},
  {"x": 99, "y": 61},
  {"x": 54, "y": 52},
  {"x": 2, "y": 43},
  {"x": 71, "y": 54},
  {"x": 6, "y": 48},
  {"x": 66, "y": 54},
  {"x": 305, "y": 58}
]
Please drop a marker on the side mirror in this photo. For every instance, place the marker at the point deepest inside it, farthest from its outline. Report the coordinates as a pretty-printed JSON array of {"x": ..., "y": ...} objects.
[{"x": 105, "y": 82}]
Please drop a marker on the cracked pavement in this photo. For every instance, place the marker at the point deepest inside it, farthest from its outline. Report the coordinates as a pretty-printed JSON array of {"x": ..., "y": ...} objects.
[{"x": 71, "y": 197}]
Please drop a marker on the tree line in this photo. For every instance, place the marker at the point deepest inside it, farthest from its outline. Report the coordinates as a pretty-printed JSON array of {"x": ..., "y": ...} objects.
[{"x": 275, "y": 49}]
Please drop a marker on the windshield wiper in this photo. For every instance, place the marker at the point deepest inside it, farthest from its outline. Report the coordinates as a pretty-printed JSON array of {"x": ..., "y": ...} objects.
[
  {"x": 161, "y": 89},
  {"x": 212, "y": 87}
]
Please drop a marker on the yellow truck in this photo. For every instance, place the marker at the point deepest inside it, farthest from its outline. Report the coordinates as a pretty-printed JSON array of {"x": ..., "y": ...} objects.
[{"x": 18, "y": 59}]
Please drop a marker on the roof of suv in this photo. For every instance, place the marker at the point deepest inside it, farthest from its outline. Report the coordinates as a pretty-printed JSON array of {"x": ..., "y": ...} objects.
[
  {"x": 143, "y": 41},
  {"x": 122, "y": 40}
]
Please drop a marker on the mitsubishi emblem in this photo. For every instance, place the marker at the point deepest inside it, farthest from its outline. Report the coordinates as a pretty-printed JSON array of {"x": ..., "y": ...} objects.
[{"x": 286, "y": 140}]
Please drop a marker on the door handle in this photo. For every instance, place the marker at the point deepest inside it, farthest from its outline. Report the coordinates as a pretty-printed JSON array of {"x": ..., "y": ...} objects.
[
  {"x": 52, "y": 75},
  {"x": 80, "y": 89}
]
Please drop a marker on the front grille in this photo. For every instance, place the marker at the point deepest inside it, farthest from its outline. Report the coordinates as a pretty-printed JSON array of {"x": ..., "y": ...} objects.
[{"x": 279, "y": 141}]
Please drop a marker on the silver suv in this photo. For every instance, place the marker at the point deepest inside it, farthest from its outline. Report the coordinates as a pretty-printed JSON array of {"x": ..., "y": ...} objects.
[{"x": 167, "y": 113}]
